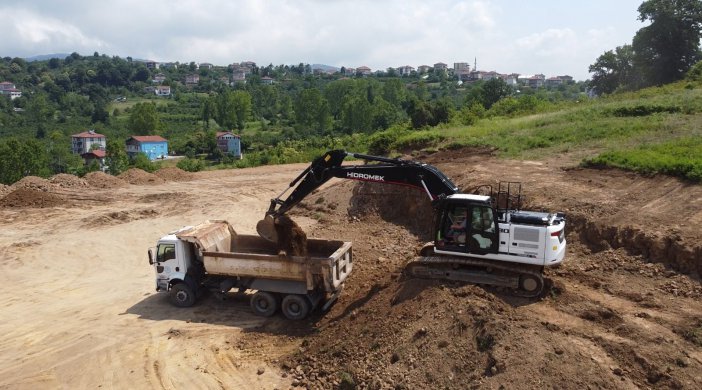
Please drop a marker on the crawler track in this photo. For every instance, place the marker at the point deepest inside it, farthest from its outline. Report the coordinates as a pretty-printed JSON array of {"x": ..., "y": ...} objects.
[{"x": 524, "y": 281}]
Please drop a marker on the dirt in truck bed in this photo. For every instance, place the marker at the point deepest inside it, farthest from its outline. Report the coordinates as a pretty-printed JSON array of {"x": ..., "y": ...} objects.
[
  {"x": 623, "y": 312},
  {"x": 292, "y": 240}
]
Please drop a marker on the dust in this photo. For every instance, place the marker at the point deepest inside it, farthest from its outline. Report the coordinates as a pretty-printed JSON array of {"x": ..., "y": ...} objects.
[
  {"x": 292, "y": 240},
  {"x": 140, "y": 176}
]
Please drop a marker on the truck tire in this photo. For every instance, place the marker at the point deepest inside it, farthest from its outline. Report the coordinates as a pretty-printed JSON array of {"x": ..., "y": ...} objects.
[
  {"x": 295, "y": 307},
  {"x": 264, "y": 304},
  {"x": 181, "y": 295}
]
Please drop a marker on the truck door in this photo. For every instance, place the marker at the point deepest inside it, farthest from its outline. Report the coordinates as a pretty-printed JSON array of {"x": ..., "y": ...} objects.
[{"x": 166, "y": 260}]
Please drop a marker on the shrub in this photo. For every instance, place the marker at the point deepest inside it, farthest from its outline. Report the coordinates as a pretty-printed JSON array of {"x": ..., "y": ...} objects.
[
  {"x": 644, "y": 110},
  {"x": 191, "y": 165}
]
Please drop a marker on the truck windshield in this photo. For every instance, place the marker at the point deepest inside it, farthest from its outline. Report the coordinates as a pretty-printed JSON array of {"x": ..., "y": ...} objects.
[{"x": 165, "y": 252}]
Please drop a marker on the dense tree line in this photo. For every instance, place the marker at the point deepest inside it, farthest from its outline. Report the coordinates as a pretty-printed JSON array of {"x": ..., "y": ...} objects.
[
  {"x": 61, "y": 97},
  {"x": 660, "y": 53}
]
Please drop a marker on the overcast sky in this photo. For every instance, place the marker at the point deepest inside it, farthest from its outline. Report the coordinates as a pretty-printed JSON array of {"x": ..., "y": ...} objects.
[{"x": 508, "y": 36}]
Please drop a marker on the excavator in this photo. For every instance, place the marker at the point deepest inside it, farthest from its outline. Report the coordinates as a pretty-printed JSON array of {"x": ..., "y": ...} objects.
[{"x": 477, "y": 238}]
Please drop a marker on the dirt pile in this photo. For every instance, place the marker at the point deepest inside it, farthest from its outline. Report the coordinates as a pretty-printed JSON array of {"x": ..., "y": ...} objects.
[
  {"x": 174, "y": 174},
  {"x": 103, "y": 180},
  {"x": 140, "y": 176},
  {"x": 65, "y": 180},
  {"x": 34, "y": 183},
  {"x": 30, "y": 197},
  {"x": 3, "y": 190},
  {"x": 292, "y": 240}
]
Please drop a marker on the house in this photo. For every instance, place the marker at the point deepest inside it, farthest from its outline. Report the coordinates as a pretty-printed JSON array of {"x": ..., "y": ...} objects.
[
  {"x": 349, "y": 71},
  {"x": 229, "y": 143},
  {"x": 12, "y": 93},
  {"x": 192, "y": 79},
  {"x": 158, "y": 78},
  {"x": 238, "y": 77},
  {"x": 205, "y": 65},
  {"x": 152, "y": 65},
  {"x": 363, "y": 71},
  {"x": 95, "y": 155},
  {"x": 423, "y": 69},
  {"x": 405, "y": 70},
  {"x": 5, "y": 85},
  {"x": 87, "y": 140},
  {"x": 440, "y": 66},
  {"x": 558, "y": 80},
  {"x": 461, "y": 70},
  {"x": 169, "y": 65},
  {"x": 153, "y": 146},
  {"x": 266, "y": 80},
  {"x": 163, "y": 90}
]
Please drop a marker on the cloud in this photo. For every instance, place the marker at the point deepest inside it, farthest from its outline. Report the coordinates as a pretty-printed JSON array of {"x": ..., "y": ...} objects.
[{"x": 42, "y": 34}]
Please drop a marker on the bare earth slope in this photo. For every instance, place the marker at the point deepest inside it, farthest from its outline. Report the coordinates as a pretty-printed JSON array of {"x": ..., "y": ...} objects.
[{"x": 623, "y": 312}]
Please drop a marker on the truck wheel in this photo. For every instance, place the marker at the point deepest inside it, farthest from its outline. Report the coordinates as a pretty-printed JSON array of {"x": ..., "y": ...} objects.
[
  {"x": 295, "y": 307},
  {"x": 264, "y": 304},
  {"x": 181, "y": 295}
]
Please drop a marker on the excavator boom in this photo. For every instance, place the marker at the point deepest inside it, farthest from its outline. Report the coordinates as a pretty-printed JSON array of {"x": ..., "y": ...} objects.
[{"x": 396, "y": 171}]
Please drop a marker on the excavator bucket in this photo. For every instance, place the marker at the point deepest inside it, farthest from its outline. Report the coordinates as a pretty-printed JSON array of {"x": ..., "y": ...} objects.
[{"x": 266, "y": 229}]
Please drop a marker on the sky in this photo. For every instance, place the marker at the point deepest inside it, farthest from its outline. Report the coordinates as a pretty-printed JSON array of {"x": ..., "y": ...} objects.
[{"x": 559, "y": 37}]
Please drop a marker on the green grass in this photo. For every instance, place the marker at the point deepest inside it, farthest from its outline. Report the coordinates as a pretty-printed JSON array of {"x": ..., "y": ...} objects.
[{"x": 655, "y": 130}]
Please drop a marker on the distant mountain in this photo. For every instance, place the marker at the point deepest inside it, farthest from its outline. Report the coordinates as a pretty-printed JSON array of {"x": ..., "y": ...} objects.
[
  {"x": 44, "y": 57},
  {"x": 325, "y": 68}
]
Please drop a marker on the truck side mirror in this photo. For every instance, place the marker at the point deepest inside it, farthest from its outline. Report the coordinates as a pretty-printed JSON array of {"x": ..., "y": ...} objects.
[{"x": 151, "y": 257}]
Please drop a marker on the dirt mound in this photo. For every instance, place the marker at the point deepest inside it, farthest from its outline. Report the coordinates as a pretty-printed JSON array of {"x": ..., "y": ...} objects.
[
  {"x": 174, "y": 174},
  {"x": 34, "y": 183},
  {"x": 118, "y": 217},
  {"x": 140, "y": 176},
  {"x": 3, "y": 190},
  {"x": 400, "y": 205},
  {"x": 65, "y": 180},
  {"x": 30, "y": 197},
  {"x": 103, "y": 180},
  {"x": 291, "y": 238}
]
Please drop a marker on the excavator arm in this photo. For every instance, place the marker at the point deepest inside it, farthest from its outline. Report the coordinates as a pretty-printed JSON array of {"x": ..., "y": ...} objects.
[{"x": 396, "y": 171}]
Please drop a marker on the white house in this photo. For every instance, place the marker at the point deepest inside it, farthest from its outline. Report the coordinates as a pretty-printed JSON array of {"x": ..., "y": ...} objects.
[
  {"x": 163, "y": 90},
  {"x": 82, "y": 142}
]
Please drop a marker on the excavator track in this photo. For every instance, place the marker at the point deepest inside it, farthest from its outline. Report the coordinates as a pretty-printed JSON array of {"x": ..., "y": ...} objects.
[{"x": 522, "y": 280}]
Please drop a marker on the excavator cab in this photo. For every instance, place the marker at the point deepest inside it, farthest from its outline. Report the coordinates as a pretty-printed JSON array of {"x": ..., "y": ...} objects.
[{"x": 466, "y": 223}]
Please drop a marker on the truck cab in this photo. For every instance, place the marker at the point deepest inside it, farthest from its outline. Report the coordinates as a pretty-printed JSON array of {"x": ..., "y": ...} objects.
[{"x": 174, "y": 263}]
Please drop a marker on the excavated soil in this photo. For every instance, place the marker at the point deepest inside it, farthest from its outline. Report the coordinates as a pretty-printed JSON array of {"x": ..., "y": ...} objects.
[
  {"x": 34, "y": 183},
  {"x": 174, "y": 174},
  {"x": 292, "y": 240},
  {"x": 65, "y": 180},
  {"x": 30, "y": 197},
  {"x": 139, "y": 176},
  {"x": 104, "y": 180},
  {"x": 4, "y": 189},
  {"x": 623, "y": 311}
]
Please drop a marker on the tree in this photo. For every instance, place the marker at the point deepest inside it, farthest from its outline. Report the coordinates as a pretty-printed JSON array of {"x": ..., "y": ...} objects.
[
  {"x": 116, "y": 157},
  {"x": 20, "y": 158},
  {"x": 493, "y": 90},
  {"x": 312, "y": 110},
  {"x": 668, "y": 47},
  {"x": 144, "y": 119},
  {"x": 233, "y": 109},
  {"x": 613, "y": 69}
]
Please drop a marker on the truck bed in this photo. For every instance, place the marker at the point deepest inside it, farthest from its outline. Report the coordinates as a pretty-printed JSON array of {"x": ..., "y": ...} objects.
[{"x": 224, "y": 252}]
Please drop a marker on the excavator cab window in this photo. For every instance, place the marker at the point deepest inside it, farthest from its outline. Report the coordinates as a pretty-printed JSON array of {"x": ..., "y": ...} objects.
[{"x": 468, "y": 228}]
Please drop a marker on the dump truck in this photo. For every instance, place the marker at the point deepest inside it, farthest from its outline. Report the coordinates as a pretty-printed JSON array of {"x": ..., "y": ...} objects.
[{"x": 212, "y": 256}]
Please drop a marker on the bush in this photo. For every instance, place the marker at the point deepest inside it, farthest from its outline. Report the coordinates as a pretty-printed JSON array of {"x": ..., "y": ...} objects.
[
  {"x": 142, "y": 162},
  {"x": 191, "y": 165},
  {"x": 644, "y": 110}
]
